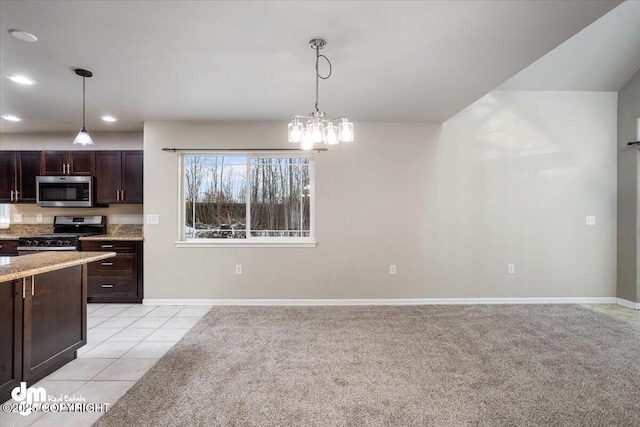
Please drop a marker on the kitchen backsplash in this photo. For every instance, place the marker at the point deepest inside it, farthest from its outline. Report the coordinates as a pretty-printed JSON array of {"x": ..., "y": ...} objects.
[{"x": 31, "y": 229}]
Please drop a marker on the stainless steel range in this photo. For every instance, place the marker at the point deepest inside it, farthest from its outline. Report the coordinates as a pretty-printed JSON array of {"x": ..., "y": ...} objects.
[{"x": 67, "y": 231}]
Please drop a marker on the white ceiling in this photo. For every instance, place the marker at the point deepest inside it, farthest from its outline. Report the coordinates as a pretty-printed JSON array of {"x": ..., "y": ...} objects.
[
  {"x": 602, "y": 57},
  {"x": 393, "y": 61}
]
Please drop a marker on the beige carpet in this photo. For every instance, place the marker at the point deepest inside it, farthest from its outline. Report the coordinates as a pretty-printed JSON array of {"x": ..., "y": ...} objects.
[{"x": 393, "y": 366}]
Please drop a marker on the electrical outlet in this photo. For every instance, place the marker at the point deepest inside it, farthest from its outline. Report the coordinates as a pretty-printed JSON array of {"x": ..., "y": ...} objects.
[
  {"x": 239, "y": 269},
  {"x": 152, "y": 219},
  {"x": 511, "y": 268},
  {"x": 591, "y": 220},
  {"x": 392, "y": 269},
  {"x": 39, "y": 218},
  {"x": 17, "y": 218}
]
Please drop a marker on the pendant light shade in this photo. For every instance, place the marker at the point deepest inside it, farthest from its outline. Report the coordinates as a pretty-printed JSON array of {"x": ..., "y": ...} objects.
[{"x": 83, "y": 137}]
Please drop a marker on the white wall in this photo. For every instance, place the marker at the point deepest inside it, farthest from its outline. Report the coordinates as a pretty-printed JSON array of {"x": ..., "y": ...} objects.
[
  {"x": 508, "y": 180},
  {"x": 629, "y": 191}
]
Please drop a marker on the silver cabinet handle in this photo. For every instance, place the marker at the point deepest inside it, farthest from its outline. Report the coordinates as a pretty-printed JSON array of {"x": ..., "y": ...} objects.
[
  {"x": 64, "y": 169},
  {"x": 108, "y": 264},
  {"x": 33, "y": 285},
  {"x": 107, "y": 246},
  {"x": 17, "y": 192},
  {"x": 118, "y": 195},
  {"x": 68, "y": 168},
  {"x": 24, "y": 285},
  {"x": 107, "y": 286},
  {"x": 12, "y": 195}
]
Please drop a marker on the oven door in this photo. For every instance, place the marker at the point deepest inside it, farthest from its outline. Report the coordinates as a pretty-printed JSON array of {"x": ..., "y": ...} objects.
[{"x": 64, "y": 191}]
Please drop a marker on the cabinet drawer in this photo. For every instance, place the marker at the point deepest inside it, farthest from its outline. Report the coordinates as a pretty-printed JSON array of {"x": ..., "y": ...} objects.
[
  {"x": 8, "y": 247},
  {"x": 108, "y": 245},
  {"x": 115, "y": 286},
  {"x": 121, "y": 264}
]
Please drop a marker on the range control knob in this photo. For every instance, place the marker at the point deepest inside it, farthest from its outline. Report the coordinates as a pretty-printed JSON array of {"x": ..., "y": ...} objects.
[
  {"x": 67, "y": 243},
  {"x": 47, "y": 242},
  {"x": 35, "y": 242},
  {"x": 59, "y": 243}
]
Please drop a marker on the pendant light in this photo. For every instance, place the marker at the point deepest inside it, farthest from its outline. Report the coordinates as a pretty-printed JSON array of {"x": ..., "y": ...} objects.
[
  {"x": 83, "y": 137},
  {"x": 312, "y": 129}
]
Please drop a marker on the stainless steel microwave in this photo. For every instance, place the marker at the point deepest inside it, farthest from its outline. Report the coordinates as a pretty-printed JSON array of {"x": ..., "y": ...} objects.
[{"x": 64, "y": 191}]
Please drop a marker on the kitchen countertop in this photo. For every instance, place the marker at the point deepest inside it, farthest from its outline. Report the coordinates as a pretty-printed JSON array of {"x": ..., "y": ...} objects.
[
  {"x": 130, "y": 237},
  {"x": 9, "y": 237},
  {"x": 12, "y": 268}
]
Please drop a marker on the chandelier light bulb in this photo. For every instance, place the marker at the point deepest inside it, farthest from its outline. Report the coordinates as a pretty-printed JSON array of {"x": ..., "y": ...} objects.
[
  {"x": 316, "y": 132},
  {"x": 346, "y": 131},
  {"x": 307, "y": 139},
  {"x": 295, "y": 131},
  {"x": 331, "y": 134}
]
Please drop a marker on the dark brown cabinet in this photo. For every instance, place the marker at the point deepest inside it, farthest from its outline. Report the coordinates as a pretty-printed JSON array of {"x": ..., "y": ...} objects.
[
  {"x": 43, "y": 323},
  {"x": 118, "y": 177},
  {"x": 11, "y": 333},
  {"x": 18, "y": 172},
  {"x": 116, "y": 279},
  {"x": 68, "y": 163},
  {"x": 8, "y": 247}
]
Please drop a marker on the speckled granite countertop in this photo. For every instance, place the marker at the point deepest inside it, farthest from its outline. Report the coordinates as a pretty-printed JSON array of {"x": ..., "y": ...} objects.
[
  {"x": 130, "y": 237},
  {"x": 8, "y": 237},
  {"x": 12, "y": 268}
]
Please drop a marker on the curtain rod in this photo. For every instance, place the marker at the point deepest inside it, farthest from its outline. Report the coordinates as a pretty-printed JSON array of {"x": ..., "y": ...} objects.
[{"x": 175, "y": 150}]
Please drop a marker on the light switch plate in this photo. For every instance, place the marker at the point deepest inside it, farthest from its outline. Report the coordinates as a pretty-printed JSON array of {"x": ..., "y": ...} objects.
[
  {"x": 39, "y": 218},
  {"x": 152, "y": 219},
  {"x": 17, "y": 218}
]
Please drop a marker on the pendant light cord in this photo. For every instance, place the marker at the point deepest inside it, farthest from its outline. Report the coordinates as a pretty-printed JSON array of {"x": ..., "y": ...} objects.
[
  {"x": 83, "y": 100},
  {"x": 318, "y": 56}
]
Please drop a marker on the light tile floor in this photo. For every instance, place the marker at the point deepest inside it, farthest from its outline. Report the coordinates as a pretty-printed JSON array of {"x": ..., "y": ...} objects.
[{"x": 124, "y": 341}]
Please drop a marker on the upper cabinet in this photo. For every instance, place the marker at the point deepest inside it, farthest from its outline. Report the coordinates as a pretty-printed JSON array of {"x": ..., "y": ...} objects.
[
  {"x": 18, "y": 171},
  {"x": 68, "y": 163},
  {"x": 118, "y": 177}
]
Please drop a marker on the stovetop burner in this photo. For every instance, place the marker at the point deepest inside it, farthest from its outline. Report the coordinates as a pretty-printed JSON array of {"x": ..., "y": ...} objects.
[{"x": 66, "y": 233}]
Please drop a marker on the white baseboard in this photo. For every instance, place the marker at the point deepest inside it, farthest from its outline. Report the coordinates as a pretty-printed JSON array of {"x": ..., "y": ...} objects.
[
  {"x": 628, "y": 304},
  {"x": 407, "y": 301}
]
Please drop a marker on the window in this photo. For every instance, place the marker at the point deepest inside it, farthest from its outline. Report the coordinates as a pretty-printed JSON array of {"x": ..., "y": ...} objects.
[
  {"x": 4, "y": 215},
  {"x": 246, "y": 199}
]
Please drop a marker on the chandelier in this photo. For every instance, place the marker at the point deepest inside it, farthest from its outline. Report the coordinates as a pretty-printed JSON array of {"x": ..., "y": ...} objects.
[{"x": 312, "y": 129}]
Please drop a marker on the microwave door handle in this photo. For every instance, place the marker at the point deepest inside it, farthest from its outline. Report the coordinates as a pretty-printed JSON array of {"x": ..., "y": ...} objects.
[{"x": 12, "y": 195}]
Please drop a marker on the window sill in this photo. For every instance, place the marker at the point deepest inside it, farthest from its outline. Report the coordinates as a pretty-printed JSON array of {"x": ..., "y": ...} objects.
[{"x": 229, "y": 243}]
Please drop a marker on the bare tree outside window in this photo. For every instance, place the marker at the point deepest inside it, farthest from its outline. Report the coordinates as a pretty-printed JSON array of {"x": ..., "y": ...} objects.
[{"x": 217, "y": 188}]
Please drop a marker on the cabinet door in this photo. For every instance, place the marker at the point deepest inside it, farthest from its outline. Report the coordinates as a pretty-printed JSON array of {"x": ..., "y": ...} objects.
[
  {"x": 54, "y": 320},
  {"x": 82, "y": 162},
  {"x": 132, "y": 162},
  {"x": 108, "y": 177},
  {"x": 54, "y": 162},
  {"x": 10, "y": 336},
  {"x": 28, "y": 168},
  {"x": 7, "y": 175}
]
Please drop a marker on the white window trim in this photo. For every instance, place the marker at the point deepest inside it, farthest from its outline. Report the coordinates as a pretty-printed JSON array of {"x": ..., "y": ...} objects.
[{"x": 248, "y": 242}]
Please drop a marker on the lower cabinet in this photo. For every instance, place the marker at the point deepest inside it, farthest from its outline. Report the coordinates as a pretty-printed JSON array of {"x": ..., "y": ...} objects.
[
  {"x": 116, "y": 279},
  {"x": 42, "y": 325},
  {"x": 8, "y": 247}
]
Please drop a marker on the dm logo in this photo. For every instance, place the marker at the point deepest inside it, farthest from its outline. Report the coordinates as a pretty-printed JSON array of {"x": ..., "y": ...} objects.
[{"x": 29, "y": 396}]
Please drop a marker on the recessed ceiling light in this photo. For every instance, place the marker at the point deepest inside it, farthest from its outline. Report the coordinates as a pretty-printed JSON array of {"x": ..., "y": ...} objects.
[
  {"x": 11, "y": 118},
  {"x": 109, "y": 119},
  {"x": 23, "y": 35},
  {"x": 23, "y": 80}
]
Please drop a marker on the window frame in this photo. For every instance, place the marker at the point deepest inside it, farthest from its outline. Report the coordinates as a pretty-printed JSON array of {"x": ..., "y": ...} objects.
[{"x": 250, "y": 241}]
